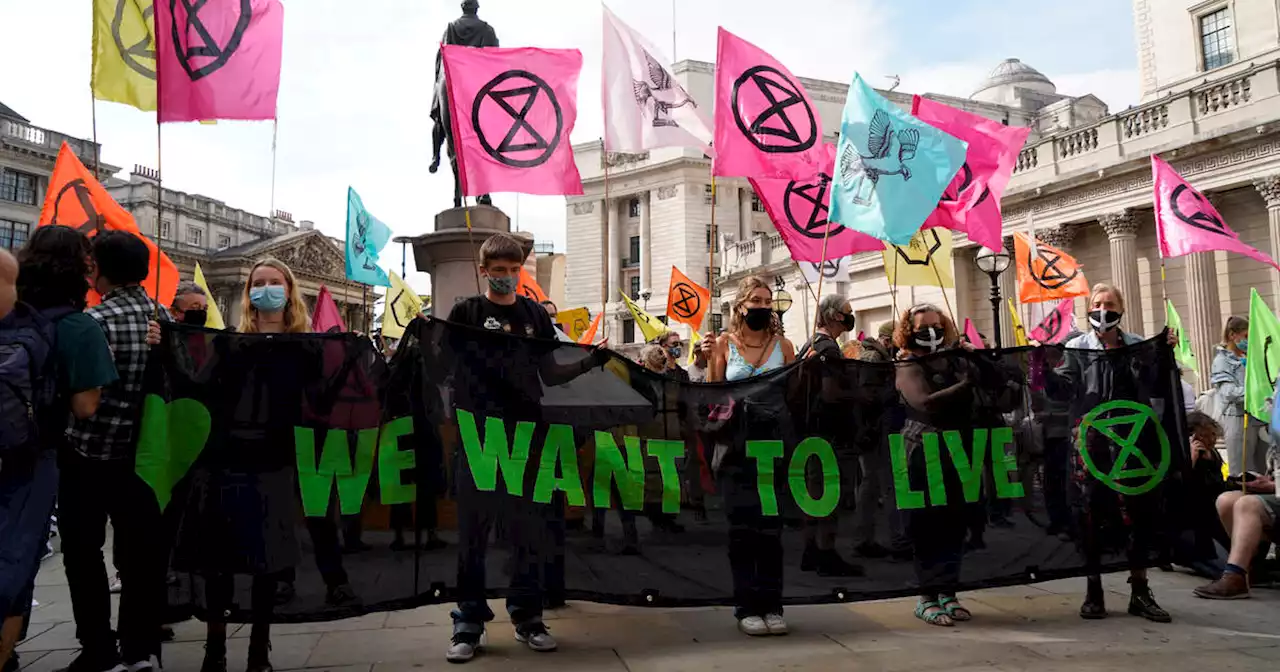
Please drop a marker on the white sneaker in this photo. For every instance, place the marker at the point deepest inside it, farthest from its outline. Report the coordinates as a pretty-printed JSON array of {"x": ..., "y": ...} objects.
[
  {"x": 465, "y": 646},
  {"x": 753, "y": 626},
  {"x": 151, "y": 664},
  {"x": 536, "y": 637},
  {"x": 115, "y": 585},
  {"x": 775, "y": 624}
]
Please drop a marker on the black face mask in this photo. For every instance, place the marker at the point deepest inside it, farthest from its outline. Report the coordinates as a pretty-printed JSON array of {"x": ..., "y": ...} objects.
[
  {"x": 928, "y": 339},
  {"x": 195, "y": 317},
  {"x": 759, "y": 319},
  {"x": 1103, "y": 321},
  {"x": 848, "y": 322}
]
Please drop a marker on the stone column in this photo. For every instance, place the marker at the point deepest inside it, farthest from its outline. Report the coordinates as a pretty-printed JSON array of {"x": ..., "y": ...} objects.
[
  {"x": 1269, "y": 188},
  {"x": 614, "y": 257},
  {"x": 1122, "y": 234},
  {"x": 1204, "y": 321},
  {"x": 1008, "y": 290},
  {"x": 744, "y": 213},
  {"x": 646, "y": 247}
]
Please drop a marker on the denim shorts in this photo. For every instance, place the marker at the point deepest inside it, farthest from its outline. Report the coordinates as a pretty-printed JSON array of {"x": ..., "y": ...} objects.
[{"x": 1270, "y": 508}]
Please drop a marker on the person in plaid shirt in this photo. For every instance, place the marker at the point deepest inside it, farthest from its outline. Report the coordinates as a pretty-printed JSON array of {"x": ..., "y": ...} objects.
[{"x": 99, "y": 482}]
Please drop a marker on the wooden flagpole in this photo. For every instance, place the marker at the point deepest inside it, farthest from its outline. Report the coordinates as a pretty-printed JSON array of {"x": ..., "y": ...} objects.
[
  {"x": 817, "y": 311},
  {"x": 604, "y": 286},
  {"x": 711, "y": 247},
  {"x": 159, "y": 204}
]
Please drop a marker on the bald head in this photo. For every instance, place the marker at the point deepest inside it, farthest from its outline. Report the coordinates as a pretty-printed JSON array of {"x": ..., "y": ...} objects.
[{"x": 8, "y": 282}]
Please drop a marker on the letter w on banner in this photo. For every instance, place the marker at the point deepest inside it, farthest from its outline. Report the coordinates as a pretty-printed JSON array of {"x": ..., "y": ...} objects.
[
  {"x": 687, "y": 301},
  {"x": 513, "y": 111},
  {"x": 218, "y": 59},
  {"x": 1187, "y": 222},
  {"x": 1046, "y": 273},
  {"x": 76, "y": 200}
]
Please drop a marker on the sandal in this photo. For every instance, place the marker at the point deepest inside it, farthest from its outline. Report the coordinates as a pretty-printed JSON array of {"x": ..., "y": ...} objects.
[
  {"x": 958, "y": 612},
  {"x": 938, "y": 616}
]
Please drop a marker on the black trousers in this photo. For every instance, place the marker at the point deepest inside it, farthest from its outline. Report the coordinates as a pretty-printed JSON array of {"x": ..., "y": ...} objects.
[{"x": 91, "y": 492}]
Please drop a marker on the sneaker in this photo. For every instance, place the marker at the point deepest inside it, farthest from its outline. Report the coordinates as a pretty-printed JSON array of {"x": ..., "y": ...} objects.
[
  {"x": 149, "y": 664},
  {"x": 753, "y": 626},
  {"x": 464, "y": 646},
  {"x": 93, "y": 661},
  {"x": 340, "y": 595},
  {"x": 115, "y": 586},
  {"x": 1230, "y": 586},
  {"x": 1143, "y": 603},
  {"x": 535, "y": 635},
  {"x": 775, "y": 624}
]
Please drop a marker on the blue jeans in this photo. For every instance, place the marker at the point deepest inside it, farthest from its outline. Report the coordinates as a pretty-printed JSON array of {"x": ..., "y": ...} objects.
[{"x": 27, "y": 494}]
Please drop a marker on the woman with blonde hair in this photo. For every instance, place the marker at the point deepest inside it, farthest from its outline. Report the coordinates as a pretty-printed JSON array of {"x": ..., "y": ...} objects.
[
  {"x": 754, "y": 345},
  {"x": 271, "y": 302}
]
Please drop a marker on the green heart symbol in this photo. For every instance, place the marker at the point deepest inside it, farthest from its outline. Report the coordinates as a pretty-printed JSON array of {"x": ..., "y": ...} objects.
[{"x": 171, "y": 438}]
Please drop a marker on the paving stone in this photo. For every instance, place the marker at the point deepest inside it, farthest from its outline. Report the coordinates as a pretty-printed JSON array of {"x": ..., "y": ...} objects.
[{"x": 287, "y": 652}]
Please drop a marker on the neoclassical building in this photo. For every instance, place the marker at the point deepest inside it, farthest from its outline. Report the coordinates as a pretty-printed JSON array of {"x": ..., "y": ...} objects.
[{"x": 1210, "y": 79}]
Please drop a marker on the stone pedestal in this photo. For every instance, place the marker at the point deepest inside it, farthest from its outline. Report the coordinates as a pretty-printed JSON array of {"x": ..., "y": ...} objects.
[{"x": 451, "y": 253}]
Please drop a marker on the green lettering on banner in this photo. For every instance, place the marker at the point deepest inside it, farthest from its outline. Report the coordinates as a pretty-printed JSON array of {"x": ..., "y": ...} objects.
[
  {"x": 666, "y": 451},
  {"x": 933, "y": 470},
  {"x": 825, "y": 505},
  {"x": 316, "y": 482},
  {"x": 484, "y": 463},
  {"x": 627, "y": 472},
  {"x": 558, "y": 450},
  {"x": 970, "y": 470},
  {"x": 1004, "y": 463},
  {"x": 905, "y": 497},
  {"x": 393, "y": 462},
  {"x": 765, "y": 453}
]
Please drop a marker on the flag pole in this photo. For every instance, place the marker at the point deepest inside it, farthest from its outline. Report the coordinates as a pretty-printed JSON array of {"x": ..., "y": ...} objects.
[
  {"x": 711, "y": 246},
  {"x": 817, "y": 311},
  {"x": 938, "y": 274},
  {"x": 604, "y": 212},
  {"x": 159, "y": 204},
  {"x": 97, "y": 160},
  {"x": 893, "y": 287},
  {"x": 274, "y": 127},
  {"x": 368, "y": 314},
  {"x": 806, "y": 281}
]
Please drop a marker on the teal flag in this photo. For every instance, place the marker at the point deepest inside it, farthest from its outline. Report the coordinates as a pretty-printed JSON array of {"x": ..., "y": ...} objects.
[
  {"x": 1262, "y": 362},
  {"x": 1182, "y": 352},
  {"x": 891, "y": 168},
  {"x": 366, "y": 236}
]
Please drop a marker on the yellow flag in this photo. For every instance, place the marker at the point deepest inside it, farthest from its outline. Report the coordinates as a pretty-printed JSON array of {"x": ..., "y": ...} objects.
[
  {"x": 924, "y": 262},
  {"x": 214, "y": 318},
  {"x": 403, "y": 305},
  {"x": 650, "y": 326},
  {"x": 574, "y": 321},
  {"x": 124, "y": 53},
  {"x": 693, "y": 346},
  {"x": 1019, "y": 331}
]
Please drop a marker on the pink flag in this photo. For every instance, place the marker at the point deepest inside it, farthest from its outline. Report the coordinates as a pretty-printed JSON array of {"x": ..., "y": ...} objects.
[
  {"x": 218, "y": 59},
  {"x": 971, "y": 203},
  {"x": 326, "y": 318},
  {"x": 1187, "y": 222},
  {"x": 513, "y": 111},
  {"x": 766, "y": 125},
  {"x": 971, "y": 333},
  {"x": 1056, "y": 325},
  {"x": 799, "y": 208}
]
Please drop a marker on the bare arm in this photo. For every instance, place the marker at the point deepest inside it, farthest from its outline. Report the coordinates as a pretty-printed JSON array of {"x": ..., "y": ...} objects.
[
  {"x": 788, "y": 351},
  {"x": 915, "y": 389},
  {"x": 85, "y": 404},
  {"x": 719, "y": 360}
]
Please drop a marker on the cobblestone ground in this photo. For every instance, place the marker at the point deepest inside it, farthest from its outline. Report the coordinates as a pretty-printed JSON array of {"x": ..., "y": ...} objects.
[{"x": 1020, "y": 628}]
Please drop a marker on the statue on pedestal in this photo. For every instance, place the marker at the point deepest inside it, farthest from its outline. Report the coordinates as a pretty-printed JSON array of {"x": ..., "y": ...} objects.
[{"x": 469, "y": 31}]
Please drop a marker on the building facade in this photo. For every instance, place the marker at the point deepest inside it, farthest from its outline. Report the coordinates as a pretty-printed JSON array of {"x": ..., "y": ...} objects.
[{"x": 1210, "y": 83}]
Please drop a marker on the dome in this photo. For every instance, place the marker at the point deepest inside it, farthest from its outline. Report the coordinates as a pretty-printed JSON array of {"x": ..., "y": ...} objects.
[{"x": 1012, "y": 72}]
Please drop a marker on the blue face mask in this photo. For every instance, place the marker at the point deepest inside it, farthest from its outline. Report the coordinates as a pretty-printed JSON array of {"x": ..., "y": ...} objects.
[
  {"x": 1243, "y": 345},
  {"x": 505, "y": 285},
  {"x": 268, "y": 299}
]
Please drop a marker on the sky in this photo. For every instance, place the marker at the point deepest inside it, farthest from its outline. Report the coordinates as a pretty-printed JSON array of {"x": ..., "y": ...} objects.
[{"x": 355, "y": 90}]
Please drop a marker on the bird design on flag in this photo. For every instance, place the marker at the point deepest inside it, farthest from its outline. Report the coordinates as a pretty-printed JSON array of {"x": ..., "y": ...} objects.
[
  {"x": 662, "y": 90},
  {"x": 359, "y": 242},
  {"x": 857, "y": 169}
]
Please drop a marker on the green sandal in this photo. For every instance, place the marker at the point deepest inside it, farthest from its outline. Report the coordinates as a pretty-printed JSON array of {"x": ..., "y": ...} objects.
[
  {"x": 940, "y": 617},
  {"x": 958, "y": 612}
]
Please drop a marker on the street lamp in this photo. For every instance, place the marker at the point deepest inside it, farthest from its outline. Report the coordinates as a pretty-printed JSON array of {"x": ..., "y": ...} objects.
[
  {"x": 781, "y": 297},
  {"x": 993, "y": 264},
  {"x": 645, "y": 294}
]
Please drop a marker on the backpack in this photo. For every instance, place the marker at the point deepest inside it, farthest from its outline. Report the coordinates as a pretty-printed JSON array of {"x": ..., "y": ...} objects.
[{"x": 28, "y": 382}]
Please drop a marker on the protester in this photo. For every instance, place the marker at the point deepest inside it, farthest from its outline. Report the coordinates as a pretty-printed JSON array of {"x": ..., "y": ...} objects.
[
  {"x": 1248, "y": 517},
  {"x": 98, "y": 481},
  {"x": 753, "y": 346},
  {"x": 552, "y": 311},
  {"x": 51, "y": 286},
  {"x": 1196, "y": 546},
  {"x": 669, "y": 342},
  {"x": 190, "y": 305},
  {"x": 1092, "y": 379},
  {"x": 1243, "y": 450},
  {"x": 939, "y": 396},
  {"x": 876, "y": 484},
  {"x": 701, "y": 358},
  {"x": 835, "y": 319},
  {"x": 654, "y": 358}
]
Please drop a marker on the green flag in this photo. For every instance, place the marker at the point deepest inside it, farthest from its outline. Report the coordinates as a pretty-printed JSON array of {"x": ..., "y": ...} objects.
[
  {"x": 1183, "y": 352},
  {"x": 1263, "y": 359}
]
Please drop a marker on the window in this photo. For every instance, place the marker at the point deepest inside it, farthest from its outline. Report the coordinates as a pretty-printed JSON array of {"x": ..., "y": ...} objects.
[
  {"x": 756, "y": 204},
  {"x": 717, "y": 323},
  {"x": 195, "y": 236},
  {"x": 635, "y": 288},
  {"x": 628, "y": 331},
  {"x": 224, "y": 241},
  {"x": 1215, "y": 39},
  {"x": 635, "y": 250},
  {"x": 13, "y": 235},
  {"x": 633, "y": 208},
  {"x": 712, "y": 240},
  {"x": 18, "y": 187},
  {"x": 709, "y": 195},
  {"x": 166, "y": 229}
]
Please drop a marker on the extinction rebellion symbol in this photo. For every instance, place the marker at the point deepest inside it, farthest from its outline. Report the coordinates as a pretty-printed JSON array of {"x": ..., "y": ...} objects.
[
  {"x": 1199, "y": 219},
  {"x": 192, "y": 39},
  {"x": 1122, "y": 422},
  {"x": 781, "y": 111},
  {"x": 813, "y": 211},
  {"x": 1051, "y": 276},
  {"x": 92, "y": 224},
  {"x": 522, "y": 145},
  {"x": 686, "y": 303},
  {"x": 140, "y": 51},
  {"x": 927, "y": 240}
]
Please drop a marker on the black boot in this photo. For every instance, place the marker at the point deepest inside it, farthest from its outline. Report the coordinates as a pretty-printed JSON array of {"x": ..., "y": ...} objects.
[
  {"x": 1095, "y": 605},
  {"x": 1143, "y": 603}
]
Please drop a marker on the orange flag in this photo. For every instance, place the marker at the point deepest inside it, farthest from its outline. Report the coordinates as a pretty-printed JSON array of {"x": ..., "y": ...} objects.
[
  {"x": 76, "y": 200},
  {"x": 1046, "y": 273},
  {"x": 589, "y": 336},
  {"x": 687, "y": 301},
  {"x": 529, "y": 287}
]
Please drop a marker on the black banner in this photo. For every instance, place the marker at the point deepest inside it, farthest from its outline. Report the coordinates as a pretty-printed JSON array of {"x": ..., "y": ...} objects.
[{"x": 479, "y": 464}]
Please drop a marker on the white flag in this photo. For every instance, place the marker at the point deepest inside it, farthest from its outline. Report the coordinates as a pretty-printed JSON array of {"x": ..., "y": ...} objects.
[
  {"x": 831, "y": 271},
  {"x": 644, "y": 106}
]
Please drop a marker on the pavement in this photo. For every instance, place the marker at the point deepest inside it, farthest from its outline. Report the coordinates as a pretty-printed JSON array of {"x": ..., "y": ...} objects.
[{"x": 1019, "y": 628}]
